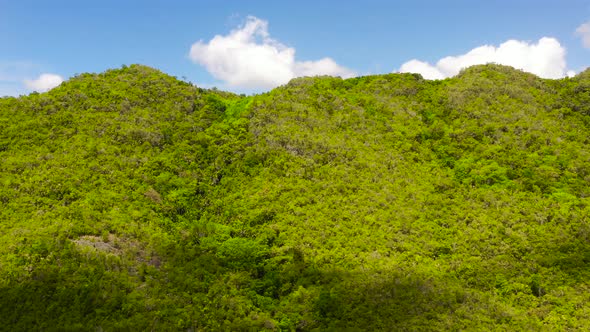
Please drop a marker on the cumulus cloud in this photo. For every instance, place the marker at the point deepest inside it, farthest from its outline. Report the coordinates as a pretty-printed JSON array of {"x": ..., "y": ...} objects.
[
  {"x": 248, "y": 57},
  {"x": 584, "y": 32},
  {"x": 44, "y": 82},
  {"x": 424, "y": 68},
  {"x": 546, "y": 58}
]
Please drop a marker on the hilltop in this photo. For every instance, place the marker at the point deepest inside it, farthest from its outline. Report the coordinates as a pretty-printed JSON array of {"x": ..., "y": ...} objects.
[{"x": 133, "y": 200}]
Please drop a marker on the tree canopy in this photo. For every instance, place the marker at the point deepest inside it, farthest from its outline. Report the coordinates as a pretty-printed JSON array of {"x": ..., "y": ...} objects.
[{"x": 133, "y": 200}]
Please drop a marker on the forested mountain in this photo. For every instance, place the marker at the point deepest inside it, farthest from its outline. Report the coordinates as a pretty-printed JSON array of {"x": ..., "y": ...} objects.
[{"x": 131, "y": 200}]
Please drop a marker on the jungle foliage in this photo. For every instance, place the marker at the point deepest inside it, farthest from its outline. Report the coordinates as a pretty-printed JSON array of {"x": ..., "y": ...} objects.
[{"x": 131, "y": 200}]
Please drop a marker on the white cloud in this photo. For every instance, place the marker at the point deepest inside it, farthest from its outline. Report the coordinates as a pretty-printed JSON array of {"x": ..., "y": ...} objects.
[
  {"x": 546, "y": 58},
  {"x": 584, "y": 32},
  {"x": 249, "y": 58},
  {"x": 427, "y": 70},
  {"x": 44, "y": 82}
]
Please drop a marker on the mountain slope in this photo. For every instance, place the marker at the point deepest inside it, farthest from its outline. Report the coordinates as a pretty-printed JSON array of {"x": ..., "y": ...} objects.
[{"x": 131, "y": 199}]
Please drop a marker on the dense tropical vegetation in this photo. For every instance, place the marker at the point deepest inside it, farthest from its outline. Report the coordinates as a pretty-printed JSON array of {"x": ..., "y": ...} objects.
[{"x": 135, "y": 201}]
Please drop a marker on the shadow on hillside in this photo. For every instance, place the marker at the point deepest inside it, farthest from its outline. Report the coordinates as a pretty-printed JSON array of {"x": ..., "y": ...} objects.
[
  {"x": 410, "y": 300},
  {"x": 568, "y": 254},
  {"x": 401, "y": 301},
  {"x": 45, "y": 304}
]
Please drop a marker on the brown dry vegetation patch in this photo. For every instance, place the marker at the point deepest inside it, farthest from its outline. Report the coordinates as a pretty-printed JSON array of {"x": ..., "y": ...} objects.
[
  {"x": 99, "y": 244},
  {"x": 125, "y": 248}
]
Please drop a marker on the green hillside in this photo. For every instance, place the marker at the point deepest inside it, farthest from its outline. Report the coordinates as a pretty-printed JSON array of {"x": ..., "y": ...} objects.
[{"x": 131, "y": 200}]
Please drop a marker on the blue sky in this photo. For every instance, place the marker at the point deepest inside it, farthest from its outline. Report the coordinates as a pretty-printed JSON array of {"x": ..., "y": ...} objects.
[{"x": 346, "y": 38}]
